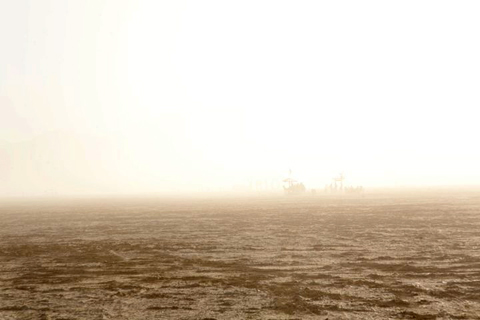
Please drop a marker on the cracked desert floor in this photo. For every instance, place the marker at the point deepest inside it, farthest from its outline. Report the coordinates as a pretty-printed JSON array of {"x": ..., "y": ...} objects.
[{"x": 300, "y": 257}]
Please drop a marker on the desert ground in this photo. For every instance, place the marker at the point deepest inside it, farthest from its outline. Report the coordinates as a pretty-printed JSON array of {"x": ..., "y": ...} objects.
[{"x": 386, "y": 256}]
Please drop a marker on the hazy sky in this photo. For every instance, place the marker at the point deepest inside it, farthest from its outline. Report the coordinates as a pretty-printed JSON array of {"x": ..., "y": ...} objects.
[{"x": 139, "y": 96}]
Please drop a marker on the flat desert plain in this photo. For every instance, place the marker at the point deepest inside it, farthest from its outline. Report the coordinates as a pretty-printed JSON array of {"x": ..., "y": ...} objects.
[{"x": 394, "y": 256}]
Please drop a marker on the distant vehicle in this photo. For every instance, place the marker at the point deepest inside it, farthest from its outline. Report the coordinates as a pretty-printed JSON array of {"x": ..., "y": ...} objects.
[{"x": 293, "y": 187}]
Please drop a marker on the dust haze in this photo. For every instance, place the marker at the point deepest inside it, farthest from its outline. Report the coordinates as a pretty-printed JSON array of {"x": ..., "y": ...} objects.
[
  {"x": 179, "y": 96},
  {"x": 230, "y": 160}
]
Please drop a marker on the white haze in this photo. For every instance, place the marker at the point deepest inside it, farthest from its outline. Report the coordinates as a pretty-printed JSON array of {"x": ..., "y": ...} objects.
[{"x": 180, "y": 96}]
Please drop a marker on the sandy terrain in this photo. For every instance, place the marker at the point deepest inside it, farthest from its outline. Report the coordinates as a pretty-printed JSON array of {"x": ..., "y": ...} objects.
[{"x": 377, "y": 257}]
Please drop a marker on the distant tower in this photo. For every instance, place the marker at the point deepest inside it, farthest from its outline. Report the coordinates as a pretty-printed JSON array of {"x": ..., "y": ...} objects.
[{"x": 339, "y": 179}]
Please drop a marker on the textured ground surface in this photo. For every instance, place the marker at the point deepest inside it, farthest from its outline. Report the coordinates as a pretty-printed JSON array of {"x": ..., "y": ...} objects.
[{"x": 306, "y": 257}]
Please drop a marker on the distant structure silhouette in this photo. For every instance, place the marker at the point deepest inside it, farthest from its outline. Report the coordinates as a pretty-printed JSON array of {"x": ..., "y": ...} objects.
[{"x": 336, "y": 186}]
